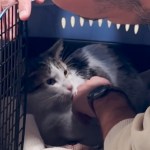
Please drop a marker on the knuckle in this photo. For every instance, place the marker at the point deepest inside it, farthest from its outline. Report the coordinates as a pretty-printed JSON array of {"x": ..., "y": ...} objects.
[{"x": 6, "y": 3}]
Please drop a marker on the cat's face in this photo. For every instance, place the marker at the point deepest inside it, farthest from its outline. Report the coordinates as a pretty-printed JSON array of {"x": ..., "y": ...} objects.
[
  {"x": 52, "y": 75},
  {"x": 51, "y": 81}
]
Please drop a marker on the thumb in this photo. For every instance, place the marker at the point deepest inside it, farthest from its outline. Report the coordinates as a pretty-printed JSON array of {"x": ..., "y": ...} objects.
[{"x": 24, "y": 9}]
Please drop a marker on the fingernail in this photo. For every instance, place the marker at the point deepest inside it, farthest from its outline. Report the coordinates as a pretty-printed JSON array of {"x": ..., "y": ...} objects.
[
  {"x": 23, "y": 15},
  {"x": 40, "y": 1}
]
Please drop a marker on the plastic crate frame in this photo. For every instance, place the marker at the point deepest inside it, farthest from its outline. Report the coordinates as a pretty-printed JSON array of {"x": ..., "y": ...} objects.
[{"x": 12, "y": 69}]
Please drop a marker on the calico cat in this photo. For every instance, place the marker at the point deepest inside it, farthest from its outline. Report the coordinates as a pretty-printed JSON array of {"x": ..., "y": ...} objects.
[{"x": 53, "y": 81}]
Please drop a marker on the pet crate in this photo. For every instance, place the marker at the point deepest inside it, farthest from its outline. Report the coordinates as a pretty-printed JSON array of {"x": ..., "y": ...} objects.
[
  {"x": 12, "y": 97},
  {"x": 46, "y": 24}
]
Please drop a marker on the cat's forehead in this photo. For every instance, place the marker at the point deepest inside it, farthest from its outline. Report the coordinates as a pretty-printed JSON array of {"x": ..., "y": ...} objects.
[
  {"x": 55, "y": 63},
  {"x": 51, "y": 65}
]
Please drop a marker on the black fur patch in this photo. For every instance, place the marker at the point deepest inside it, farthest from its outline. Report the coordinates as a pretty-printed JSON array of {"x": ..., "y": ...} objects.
[
  {"x": 92, "y": 72},
  {"x": 79, "y": 62}
]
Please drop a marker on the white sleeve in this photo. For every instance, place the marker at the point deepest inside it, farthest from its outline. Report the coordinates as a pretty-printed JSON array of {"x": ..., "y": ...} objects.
[{"x": 130, "y": 134}]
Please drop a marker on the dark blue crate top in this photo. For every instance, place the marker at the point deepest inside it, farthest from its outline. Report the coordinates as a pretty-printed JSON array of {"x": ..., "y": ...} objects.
[{"x": 46, "y": 21}]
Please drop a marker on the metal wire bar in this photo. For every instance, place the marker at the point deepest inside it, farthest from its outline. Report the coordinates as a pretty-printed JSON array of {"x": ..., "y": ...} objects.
[{"x": 6, "y": 9}]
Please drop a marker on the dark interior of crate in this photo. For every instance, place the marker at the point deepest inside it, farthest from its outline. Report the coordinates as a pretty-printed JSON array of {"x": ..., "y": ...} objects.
[{"x": 138, "y": 55}]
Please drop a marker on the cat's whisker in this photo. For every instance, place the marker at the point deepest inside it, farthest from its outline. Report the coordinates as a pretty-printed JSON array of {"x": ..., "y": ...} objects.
[
  {"x": 67, "y": 59},
  {"x": 63, "y": 54},
  {"x": 61, "y": 98},
  {"x": 68, "y": 62},
  {"x": 70, "y": 65},
  {"x": 65, "y": 99},
  {"x": 47, "y": 98}
]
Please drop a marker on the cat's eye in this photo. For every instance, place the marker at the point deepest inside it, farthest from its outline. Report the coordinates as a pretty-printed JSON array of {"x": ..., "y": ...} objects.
[
  {"x": 51, "y": 81},
  {"x": 65, "y": 72}
]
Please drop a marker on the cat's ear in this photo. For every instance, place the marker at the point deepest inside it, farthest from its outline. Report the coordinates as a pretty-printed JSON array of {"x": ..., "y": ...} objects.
[{"x": 55, "y": 50}]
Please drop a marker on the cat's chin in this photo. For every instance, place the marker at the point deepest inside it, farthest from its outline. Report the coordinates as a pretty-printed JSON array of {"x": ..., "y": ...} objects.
[
  {"x": 68, "y": 92},
  {"x": 67, "y": 97}
]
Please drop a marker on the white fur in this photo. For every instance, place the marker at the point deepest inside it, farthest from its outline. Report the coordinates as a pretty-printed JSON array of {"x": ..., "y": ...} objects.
[
  {"x": 59, "y": 76},
  {"x": 75, "y": 80},
  {"x": 33, "y": 140},
  {"x": 72, "y": 79}
]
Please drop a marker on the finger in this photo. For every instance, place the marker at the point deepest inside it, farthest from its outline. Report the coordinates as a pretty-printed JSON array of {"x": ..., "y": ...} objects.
[
  {"x": 6, "y": 3},
  {"x": 93, "y": 83},
  {"x": 97, "y": 81},
  {"x": 100, "y": 80},
  {"x": 39, "y": 1},
  {"x": 80, "y": 104},
  {"x": 24, "y": 9}
]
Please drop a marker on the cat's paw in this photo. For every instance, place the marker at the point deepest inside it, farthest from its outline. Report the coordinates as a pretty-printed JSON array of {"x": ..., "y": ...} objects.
[
  {"x": 75, "y": 90},
  {"x": 75, "y": 93}
]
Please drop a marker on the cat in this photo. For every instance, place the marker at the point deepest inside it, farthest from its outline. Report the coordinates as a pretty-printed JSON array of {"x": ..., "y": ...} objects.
[{"x": 53, "y": 81}]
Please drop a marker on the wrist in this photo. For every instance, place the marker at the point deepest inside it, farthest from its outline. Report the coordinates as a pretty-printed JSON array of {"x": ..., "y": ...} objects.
[{"x": 112, "y": 109}]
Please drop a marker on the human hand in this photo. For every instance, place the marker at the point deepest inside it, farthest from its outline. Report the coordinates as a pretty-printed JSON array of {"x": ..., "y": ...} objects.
[
  {"x": 9, "y": 19},
  {"x": 24, "y": 7},
  {"x": 80, "y": 102},
  {"x": 114, "y": 105}
]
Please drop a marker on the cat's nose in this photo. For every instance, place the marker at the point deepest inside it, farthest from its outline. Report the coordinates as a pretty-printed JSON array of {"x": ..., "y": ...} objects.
[{"x": 69, "y": 87}]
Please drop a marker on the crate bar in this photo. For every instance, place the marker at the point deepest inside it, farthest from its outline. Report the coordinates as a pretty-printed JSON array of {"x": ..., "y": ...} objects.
[{"x": 11, "y": 63}]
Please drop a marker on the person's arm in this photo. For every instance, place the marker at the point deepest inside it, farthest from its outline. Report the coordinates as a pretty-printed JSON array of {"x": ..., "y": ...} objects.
[
  {"x": 112, "y": 109},
  {"x": 121, "y": 130}
]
